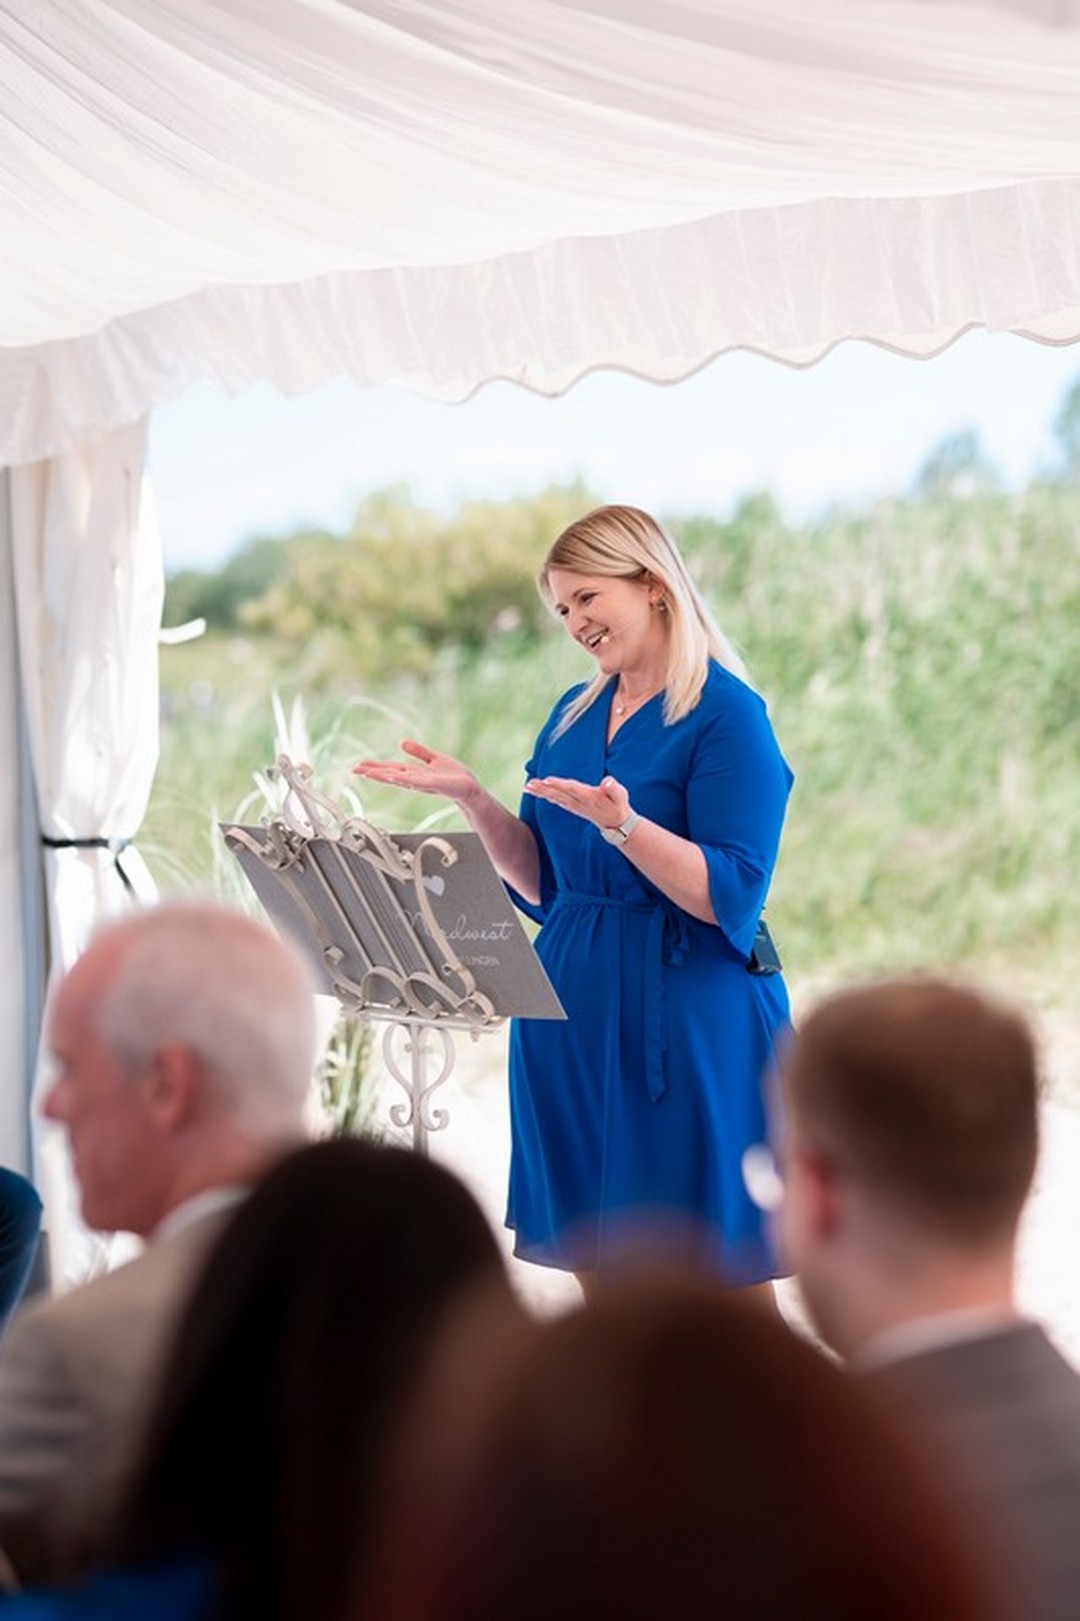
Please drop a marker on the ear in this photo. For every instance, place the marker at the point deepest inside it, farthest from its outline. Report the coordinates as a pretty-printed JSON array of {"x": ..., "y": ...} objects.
[
  {"x": 657, "y": 593},
  {"x": 814, "y": 1192},
  {"x": 170, "y": 1085},
  {"x": 828, "y": 1194}
]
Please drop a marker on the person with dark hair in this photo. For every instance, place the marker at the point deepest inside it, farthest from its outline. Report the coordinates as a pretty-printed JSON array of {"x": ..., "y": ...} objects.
[
  {"x": 908, "y": 1135},
  {"x": 644, "y": 845},
  {"x": 20, "y": 1231},
  {"x": 665, "y": 1453},
  {"x": 257, "y": 1483}
]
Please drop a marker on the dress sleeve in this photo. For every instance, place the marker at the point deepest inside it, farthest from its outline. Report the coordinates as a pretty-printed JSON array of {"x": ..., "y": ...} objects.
[
  {"x": 548, "y": 886},
  {"x": 527, "y": 810},
  {"x": 736, "y": 797}
]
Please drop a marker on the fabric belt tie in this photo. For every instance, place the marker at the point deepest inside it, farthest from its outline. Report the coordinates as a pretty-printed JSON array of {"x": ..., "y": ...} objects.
[
  {"x": 667, "y": 939},
  {"x": 116, "y": 847}
]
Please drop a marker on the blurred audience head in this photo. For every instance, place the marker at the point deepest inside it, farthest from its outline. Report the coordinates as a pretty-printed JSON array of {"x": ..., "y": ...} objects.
[
  {"x": 288, "y": 1367},
  {"x": 184, "y": 1044},
  {"x": 666, "y": 1453},
  {"x": 907, "y": 1135}
]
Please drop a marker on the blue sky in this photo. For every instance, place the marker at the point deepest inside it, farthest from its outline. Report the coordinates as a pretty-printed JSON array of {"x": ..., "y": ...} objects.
[{"x": 858, "y": 424}]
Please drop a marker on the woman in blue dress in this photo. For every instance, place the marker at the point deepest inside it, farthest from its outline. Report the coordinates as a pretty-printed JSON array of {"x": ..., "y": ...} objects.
[{"x": 644, "y": 845}]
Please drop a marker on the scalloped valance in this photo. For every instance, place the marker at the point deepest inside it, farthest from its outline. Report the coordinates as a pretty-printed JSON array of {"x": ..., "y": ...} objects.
[{"x": 438, "y": 192}]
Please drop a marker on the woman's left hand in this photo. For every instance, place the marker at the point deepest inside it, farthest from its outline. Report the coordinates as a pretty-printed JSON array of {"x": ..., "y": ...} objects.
[
  {"x": 674, "y": 864},
  {"x": 605, "y": 805}
]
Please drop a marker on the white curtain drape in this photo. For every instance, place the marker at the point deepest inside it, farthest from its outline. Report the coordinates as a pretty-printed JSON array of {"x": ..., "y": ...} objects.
[
  {"x": 19, "y": 960},
  {"x": 439, "y": 193},
  {"x": 88, "y": 595},
  {"x": 87, "y": 584}
]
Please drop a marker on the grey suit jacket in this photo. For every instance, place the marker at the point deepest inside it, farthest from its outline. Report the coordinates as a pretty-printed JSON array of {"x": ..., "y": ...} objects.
[
  {"x": 76, "y": 1377},
  {"x": 1002, "y": 1414}
]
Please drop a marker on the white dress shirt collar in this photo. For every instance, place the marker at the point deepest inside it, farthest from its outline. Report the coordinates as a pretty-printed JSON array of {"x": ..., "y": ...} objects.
[
  {"x": 185, "y": 1215},
  {"x": 932, "y": 1333}
]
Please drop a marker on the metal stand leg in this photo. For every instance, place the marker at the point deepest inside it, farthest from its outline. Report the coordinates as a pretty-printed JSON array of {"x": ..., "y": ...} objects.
[{"x": 420, "y": 1043}]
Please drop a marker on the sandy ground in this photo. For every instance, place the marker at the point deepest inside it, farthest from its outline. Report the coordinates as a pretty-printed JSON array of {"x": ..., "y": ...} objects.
[{"x": 476, "y": 1145}]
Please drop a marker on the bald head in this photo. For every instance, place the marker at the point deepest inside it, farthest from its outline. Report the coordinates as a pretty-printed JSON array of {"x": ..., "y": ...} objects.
[
  {"x": 926, "y": 1092},
  {"x": 184, "y": 1041}
]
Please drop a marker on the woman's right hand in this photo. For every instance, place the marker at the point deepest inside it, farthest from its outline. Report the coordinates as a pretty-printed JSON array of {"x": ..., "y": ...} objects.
[
  {"x": 507, "y": 839},
  {"x": 433, "y": 773}
]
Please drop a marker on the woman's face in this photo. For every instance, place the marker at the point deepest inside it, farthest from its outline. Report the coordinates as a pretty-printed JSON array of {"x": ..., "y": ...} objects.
[{"x": 615, "y": 620}]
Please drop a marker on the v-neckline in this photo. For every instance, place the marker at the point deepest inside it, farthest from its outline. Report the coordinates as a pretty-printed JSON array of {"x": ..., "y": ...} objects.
[{"x": 609, "y": 735}]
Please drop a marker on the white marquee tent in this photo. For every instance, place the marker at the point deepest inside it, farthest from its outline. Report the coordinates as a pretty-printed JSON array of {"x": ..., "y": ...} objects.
[{"x": 438, "y": 192}]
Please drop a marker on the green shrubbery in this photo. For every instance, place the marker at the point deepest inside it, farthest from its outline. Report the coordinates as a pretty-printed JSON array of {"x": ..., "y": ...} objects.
[{"x": 920, "y": 659}]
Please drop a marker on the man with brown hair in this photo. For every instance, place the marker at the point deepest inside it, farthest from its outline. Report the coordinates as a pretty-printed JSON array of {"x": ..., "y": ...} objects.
[{"x": 908, "y": 1138}]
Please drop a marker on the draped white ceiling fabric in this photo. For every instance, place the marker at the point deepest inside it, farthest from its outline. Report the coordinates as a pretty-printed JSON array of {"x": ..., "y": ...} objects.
[{"x": 437, "y": 192}]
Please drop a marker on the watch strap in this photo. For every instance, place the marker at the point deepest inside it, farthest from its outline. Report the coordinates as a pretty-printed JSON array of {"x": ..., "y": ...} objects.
[{"x": 619, "y": 835}]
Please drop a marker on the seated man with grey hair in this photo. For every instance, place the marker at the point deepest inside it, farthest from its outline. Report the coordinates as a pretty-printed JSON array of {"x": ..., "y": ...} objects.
[
  {"x": 183, "y": 1042},
  {"x": 907, "y": 1140}
]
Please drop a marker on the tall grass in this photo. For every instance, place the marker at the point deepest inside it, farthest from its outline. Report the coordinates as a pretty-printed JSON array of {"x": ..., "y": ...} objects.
[{"x": 920, "y": 661}]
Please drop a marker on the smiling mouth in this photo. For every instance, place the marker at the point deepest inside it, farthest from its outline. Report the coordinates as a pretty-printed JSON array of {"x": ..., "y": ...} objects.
[{"x": 599, "y": 640}]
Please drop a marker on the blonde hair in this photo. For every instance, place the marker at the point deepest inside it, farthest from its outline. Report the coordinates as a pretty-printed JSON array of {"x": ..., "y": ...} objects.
[{"x": 626, "y": 543}]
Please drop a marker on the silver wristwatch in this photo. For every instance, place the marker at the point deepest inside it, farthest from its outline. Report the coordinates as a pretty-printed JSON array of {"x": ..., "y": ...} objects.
[{"x": 619, "y": 835}]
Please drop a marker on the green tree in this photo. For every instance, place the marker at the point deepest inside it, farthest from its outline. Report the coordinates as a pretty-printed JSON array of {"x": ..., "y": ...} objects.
[
  {"x": 405, "y": 582},
  {"x": 218, "y": 596},
  {"x": 958, "y": 466}
]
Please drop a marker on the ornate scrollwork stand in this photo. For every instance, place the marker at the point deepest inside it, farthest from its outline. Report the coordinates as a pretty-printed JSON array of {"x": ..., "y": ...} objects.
[{"x": 362, "y": 902}]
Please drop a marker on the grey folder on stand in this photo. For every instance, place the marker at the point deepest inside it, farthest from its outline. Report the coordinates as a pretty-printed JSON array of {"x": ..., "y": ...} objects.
[{"x": 406, "y": 926}]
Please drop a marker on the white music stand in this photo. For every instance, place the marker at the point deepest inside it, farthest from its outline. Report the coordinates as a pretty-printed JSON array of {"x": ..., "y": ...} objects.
[{"x": 416, "y": 930}]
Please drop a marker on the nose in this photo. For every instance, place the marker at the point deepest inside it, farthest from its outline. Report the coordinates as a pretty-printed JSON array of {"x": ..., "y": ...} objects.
[{"x": 51, "y": 1106}]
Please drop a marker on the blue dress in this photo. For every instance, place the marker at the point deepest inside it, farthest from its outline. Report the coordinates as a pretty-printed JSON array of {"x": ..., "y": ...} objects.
[{"x": 636, "y": 1111}]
